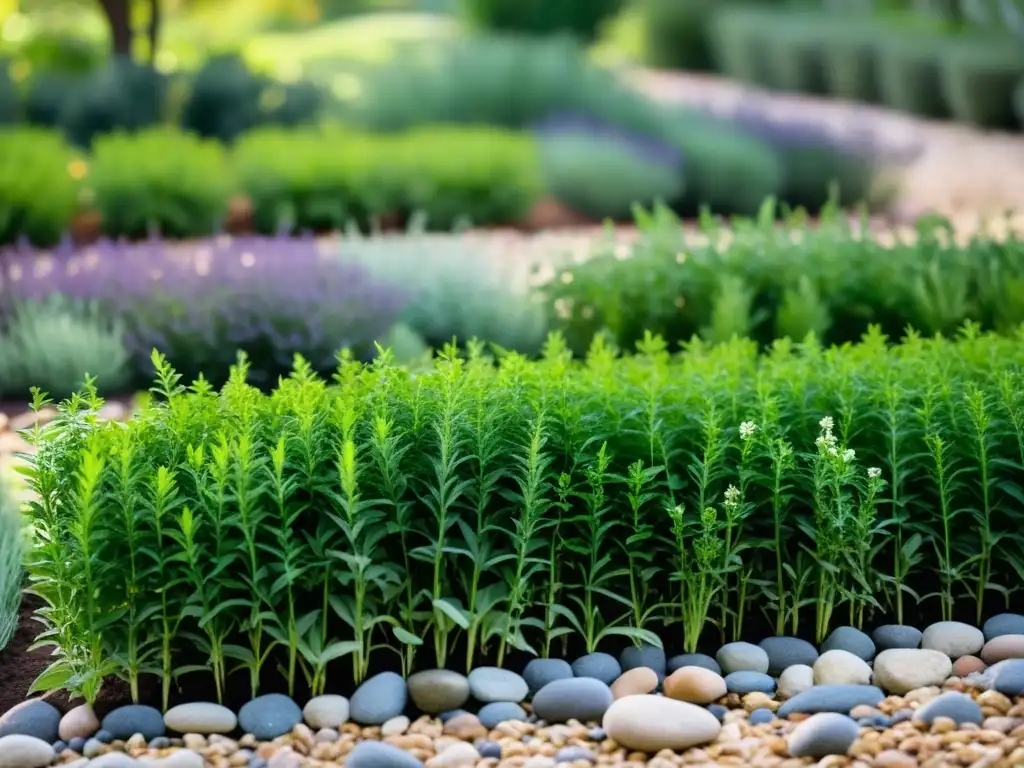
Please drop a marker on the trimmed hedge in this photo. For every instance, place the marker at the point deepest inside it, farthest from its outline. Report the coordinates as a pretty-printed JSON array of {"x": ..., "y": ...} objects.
[
  {"x": 582, "y": 18},
  {"x": 920, "y": 65},
  {"x": 476, "y": 509}
]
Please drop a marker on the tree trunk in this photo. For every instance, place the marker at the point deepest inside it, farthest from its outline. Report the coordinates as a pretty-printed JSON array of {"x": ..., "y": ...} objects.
[{"x": 119, "y": 19}]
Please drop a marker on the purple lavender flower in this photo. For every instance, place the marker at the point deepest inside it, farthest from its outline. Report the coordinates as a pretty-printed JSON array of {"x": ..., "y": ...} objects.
[{"x": 200, "y": 302}]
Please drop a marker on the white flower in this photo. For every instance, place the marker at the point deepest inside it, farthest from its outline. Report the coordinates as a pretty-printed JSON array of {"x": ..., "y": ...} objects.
[
  {"x": 826, "y": 424},
  {"x": 732, "y": 496},
  {"x": 832, "y": 451},
  {"x": 874, "y": 472},
  {"x": 848, "y": 455},
  {"x": 747, "y": 429}
]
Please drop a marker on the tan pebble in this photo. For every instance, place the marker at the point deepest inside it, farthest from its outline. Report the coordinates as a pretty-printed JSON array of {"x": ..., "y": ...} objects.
[
  {"x": 967, "y": 665},
  {"x": 514, "y": 749},
  {"x": 371, "y": 732},
  {"x": 395, "y": 726},
  {"x": 658, "y": 762},
  {"x": 238, "y": 759},
  {"x": 636, "y": 757},
  {"x": 955, "y": 737},
  {"x": 634, "y": 682},
  {"x": 863, "y": 710},
  {"x": 545, "y": 750},
  {"x": 695, "y": 685},
  {"x": 759, "y": 700},
  {"x": 996, "y": 700},
  {"x": 248, "y": 741},
  {"x": 324, "y": 751},
  {"x": 923, "y": 695},
  {"x": 513, "y": 762},
  {"x": 540, "y": 761},
  {"x": 832, "y": 761},
  {"x": 351, "y": 729},
  {"x": 412, "y": 741},
  {"x": 893, "y": 758},
  {"x": 303, "y": 734},
  {"x": 327, "y": 736},
  {"x": 1017, "y": 732},
  {"x": 487, "y": 762},
  {"x": 442, "y": 743},
  {"x": 457, "y": 755},
  {"x": 285, "y": 758},
  {"x": 466, "y": 727}
]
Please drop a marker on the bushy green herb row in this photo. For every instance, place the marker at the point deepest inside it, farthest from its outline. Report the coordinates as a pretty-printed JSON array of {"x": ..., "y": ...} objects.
[
  {"x": 475, "y": 508},
  {"x": 165, "y": 181},
  {"x": 759, "y": 280},
  {"x": 12, "y": 573}
]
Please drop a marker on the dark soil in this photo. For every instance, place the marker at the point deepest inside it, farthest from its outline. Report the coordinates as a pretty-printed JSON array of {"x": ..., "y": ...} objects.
[{"x": 19, "y": 667}]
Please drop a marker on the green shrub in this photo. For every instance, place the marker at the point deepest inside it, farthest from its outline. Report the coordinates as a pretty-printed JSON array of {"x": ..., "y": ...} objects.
[
  {"x": 979, "y": 76},
  {"x": 582, "y": 18},
  {"x": 794, "y": 54},
  {"x": 909, "y": 76},
  {"x": 38, "y": 191},
  {"x": 226, "y": 99},
  {"x": 324, "y": 179},
  {"x": 603, "y": 177},
  {"x": 459, "y": 288},
  {"x": 123, "y": 96},
  {"x": 738, "y": 43},
  {"x": 677, "y": 34},
  {"x": 501, "y": 80},
  {"x": 53, "y": 343},
  {"x": 12, "y": 572},
  {"x": 475, "y": 174},
  {"x": 583, "y": 480},
  {"x": 160, "y": 180},
  {"x": 725, "y": 169},
  {"x": 46, "y": 96},
  {"x": 1018, "y": 102},
  {"x": 851, "y": 60},
  {"x": 676, "y": 285}
]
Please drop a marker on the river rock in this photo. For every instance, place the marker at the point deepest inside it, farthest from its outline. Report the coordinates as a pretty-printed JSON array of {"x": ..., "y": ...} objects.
[
  {"x": 840, "y": 667},
  {"x": 967, "y": 665},
  {"x": 581, "y": 698},
  {"x": 644, "y": 655},
  {"x": 20, "y": 751},
  {"x": 952, "y": 704},
  {"x": 901, "y": 670},
  {"x": 1009, "y": 678},
  {"x": 953, "y": 638},
  {"x": 635, "y": 681},
  {"x": 540, "y": 672},
  {"x": 852, "y": 640},
  {"x": 1003, "y": 624},
  {"x": 487, "y": 684},
  {"x": 125, "y": 722},
  {"x": 179, "y": 758},
  {"x": 572, "y": 754},
  {"x": 761, "y": 716},
  {"x": 114, "y": 760},
  {"x": 376, "y": 754},
  {"x": 438, "y": 690},
  {"x": 826, "y": 733},
  {"x": 1002, "y": 648},
  {"x": 601, "y": 666},
  {"x": 396, "y": 726},
  {"x": 200, "y": 717},
  {"x": 745, "y": 682},
  {"x": 693, "y": 660},
  {"x": 378, "y": 699},
  {"x": 695, "y": 685},
  {"x": 34, "y": 717},
  {"x": 795, "y": 680},
  {"x": 490, "y": 715},
  {"x": 651, "y": 723},
  {"x": 891, "y": 636},
  {"x": 742, "y": 657},
  {"x": 461, "y": 754},
  {"x": 785, "y": 652},
  {"x": 831, "y": 698},
  {"x": 79, "y": 723},
  {"x": 328, "y": 711},
  {"x": 269, "y": 716}
]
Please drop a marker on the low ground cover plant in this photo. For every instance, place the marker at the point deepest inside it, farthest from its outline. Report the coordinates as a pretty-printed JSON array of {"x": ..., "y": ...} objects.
[
  {"x": 763, "y": 281},
  {"x": 486, "y": 507}
]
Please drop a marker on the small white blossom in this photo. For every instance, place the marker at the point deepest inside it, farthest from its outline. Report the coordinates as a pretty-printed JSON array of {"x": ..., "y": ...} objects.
[
  {"x": 832, "y": 451},
  {"x": 732, "y": 496},
  {"x": 848, "y": 455},
  {"x": 874, "y": 472},
  {"x": 747, "y": 429},
  {"x": 826, "y": 424}
]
